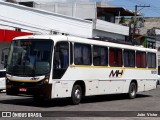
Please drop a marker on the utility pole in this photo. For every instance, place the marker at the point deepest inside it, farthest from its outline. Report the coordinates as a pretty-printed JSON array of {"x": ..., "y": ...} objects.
[{"x": 135, "y": 18}]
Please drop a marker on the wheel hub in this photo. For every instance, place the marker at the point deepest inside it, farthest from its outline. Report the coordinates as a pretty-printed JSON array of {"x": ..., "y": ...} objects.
[{"x": 77, "y": 94}]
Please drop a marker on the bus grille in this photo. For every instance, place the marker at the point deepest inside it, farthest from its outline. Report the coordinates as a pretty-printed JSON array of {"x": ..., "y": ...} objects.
[{"x": 23, "y": 84}]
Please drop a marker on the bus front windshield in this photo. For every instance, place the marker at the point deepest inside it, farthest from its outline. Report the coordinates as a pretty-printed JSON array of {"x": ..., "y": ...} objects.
[{"x": 30, "y": 57}]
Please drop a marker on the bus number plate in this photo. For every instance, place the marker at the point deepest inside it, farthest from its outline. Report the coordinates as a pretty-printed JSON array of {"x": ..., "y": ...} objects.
[{"x": 22, "y": 89}]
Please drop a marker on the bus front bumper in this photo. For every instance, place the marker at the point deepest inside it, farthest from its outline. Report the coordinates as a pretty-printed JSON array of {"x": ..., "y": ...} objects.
[{"x": 36, "y": 90}]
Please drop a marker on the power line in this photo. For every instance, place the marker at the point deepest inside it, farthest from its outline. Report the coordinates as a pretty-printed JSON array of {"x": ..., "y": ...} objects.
[
  {"x": 142, "y": 2},
  {"x": 135, "y": 18},
  {"x": 152, "y": 8}
]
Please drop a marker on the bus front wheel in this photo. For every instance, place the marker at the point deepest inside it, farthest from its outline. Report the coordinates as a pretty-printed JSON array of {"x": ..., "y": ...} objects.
[
  {"x": 132, "y": 90},
  {"x": 76, "y": 95}
]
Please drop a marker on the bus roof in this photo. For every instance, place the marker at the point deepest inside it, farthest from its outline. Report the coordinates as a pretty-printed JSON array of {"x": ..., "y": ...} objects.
[{"x": 57, "y": 38}]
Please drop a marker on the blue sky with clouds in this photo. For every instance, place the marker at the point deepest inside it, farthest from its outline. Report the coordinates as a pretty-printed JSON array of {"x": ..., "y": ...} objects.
[{"x": 152, "y": 11}]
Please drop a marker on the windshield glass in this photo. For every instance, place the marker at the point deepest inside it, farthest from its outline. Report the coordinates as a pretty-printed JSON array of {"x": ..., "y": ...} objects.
[{"x": 30, "y": 57}]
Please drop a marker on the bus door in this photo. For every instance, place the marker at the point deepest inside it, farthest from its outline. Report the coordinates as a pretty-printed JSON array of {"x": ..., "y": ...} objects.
[{"x": 61, "y": 59}]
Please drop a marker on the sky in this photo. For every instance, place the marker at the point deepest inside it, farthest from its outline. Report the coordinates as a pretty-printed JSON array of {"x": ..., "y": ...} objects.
[{"x": 152, "y": 11}]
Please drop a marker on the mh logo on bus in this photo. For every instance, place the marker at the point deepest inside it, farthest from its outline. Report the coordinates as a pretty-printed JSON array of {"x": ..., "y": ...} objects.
[{"x": 116, "y": 73}]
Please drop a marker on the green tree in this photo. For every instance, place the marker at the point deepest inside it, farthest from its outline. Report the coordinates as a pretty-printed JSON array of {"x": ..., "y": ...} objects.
[{"x": 122, "y": 20}]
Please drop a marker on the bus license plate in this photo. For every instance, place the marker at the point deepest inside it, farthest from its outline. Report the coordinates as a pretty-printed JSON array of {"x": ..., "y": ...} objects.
[{"x": 22, "y": 89}]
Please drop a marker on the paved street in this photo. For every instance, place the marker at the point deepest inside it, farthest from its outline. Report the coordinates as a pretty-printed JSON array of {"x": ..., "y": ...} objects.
[{"x": 145, "y": 101}]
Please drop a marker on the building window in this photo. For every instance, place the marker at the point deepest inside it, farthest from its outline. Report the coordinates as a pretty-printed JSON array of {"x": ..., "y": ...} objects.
[{"x": 151, "y": 44}]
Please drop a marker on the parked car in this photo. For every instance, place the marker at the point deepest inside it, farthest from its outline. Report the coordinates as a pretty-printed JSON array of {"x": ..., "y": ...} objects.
[
  {"x": 2, "y": 80},
  {"x": 158, "y": 76}
]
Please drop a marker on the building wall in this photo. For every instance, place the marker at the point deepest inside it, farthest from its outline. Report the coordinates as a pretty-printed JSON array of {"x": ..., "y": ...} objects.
[
  {"x": 99, "y": 33},
  {"x": 158, "y": 48},
  {"x": 43, "y": 22},
  {"x": 83, "y": 10},
  {"x": 149, "y": 23},
  {"x": 112, "y": 27},
  {"x": 88, "y": 10}
]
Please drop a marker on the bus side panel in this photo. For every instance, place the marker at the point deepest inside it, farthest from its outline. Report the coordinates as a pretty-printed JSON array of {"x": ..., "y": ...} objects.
[
  {"x": 111, "y": 86},
  {"x": 100, "y": 81},
  {"x": 91, "y": 87},
  {"x": 103, "y": 87},
  {"x": 57, "y": 90},
  {"x": 146, "y": 78},
  {"x": 150, "y": 84},
  {"x": 116, "y": 86},
  {"x": 62, "y": 88},
  {"x": 141, "y": 85},
  {"x": 126, "y": 85}
]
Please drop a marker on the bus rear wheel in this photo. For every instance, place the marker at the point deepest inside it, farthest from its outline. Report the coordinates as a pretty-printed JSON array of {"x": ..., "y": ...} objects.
[
  {"x": 76, "y": 95},
  {"x": 132, "y": 90}
]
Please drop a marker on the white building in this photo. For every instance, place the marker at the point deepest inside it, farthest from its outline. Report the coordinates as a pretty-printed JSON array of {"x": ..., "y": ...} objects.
[{"x": 102, "y": 15}]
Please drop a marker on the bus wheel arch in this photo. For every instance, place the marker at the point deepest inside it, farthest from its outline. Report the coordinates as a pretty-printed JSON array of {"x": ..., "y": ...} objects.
[
  {"x": 133, "y": 88},
  {"x": 78, "y": 90}
]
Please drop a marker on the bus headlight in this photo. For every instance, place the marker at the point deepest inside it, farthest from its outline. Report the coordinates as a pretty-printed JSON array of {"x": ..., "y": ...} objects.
[
  {"x": 42, "y": 82},
  {"x": 46, "y": 80}
]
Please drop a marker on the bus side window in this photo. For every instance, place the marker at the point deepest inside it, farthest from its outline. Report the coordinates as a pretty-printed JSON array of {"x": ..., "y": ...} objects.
[
  {"x": 100, "y": 56},
  {"x": 71, "y": 53},
  {"x": 82, "y": 54},
  {"x": 61, "y": 55},
  {"x": 129, "y": 58},
  {"x": 140, "y": 59},
  {"x": 115, "y": 57},
  {"x": 151, "y": 60}
]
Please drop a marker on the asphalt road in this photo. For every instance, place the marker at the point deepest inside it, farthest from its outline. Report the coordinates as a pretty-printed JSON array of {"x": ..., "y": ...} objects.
[{"x": 145, "y": 106}]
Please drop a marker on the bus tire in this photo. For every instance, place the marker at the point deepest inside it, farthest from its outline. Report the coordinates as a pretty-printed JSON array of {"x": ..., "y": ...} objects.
[
  {"x": 132, "y": 90},
  {"x": 157, "y": 83},
  {"x": 76, "y": 95}
]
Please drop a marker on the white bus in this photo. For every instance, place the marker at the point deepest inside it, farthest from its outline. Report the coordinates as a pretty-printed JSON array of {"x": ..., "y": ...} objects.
[{"x": 61, "y": 66}]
